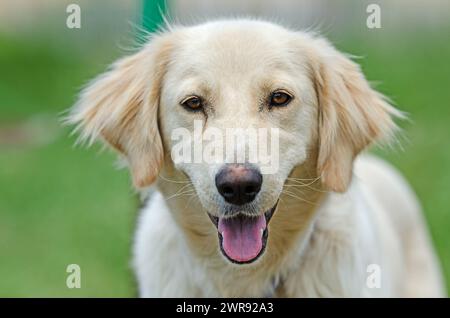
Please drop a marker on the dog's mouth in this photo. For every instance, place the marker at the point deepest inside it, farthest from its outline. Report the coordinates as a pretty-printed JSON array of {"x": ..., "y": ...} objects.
[{"x": 243, "y": 238}]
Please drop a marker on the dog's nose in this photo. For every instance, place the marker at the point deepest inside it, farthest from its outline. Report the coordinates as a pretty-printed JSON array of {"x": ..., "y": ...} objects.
[{"x": 238, "y": 184}]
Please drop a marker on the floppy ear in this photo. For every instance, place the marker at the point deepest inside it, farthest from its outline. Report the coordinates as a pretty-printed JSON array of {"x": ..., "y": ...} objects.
[
  {"x": 121, "y": 108},
  {"x": 351, "y": 115}
]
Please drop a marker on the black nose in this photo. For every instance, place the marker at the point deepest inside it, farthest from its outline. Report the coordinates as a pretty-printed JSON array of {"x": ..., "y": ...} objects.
[{"x": 238, "y": 184}]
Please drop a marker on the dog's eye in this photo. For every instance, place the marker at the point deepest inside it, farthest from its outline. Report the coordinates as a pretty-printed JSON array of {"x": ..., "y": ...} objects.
[
  {"x": 192, "y": 103},
  {"x": 279, "y": 98}
]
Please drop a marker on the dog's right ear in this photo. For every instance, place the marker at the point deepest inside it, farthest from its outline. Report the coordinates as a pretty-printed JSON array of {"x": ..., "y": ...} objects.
[{"x": 120, "y": 107}]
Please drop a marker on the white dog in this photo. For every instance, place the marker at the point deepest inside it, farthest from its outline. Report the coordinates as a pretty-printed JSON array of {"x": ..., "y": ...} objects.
[{"x": 325, "y": 224}]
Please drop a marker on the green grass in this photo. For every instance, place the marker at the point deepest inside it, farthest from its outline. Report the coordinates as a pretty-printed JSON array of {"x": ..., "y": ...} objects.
[
  {"x": 61, "y": 205},
  {"x": 58, "y": 204}
]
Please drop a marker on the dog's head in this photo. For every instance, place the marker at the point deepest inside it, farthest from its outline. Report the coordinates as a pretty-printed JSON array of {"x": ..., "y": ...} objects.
[{"x": 310, "y": 102}]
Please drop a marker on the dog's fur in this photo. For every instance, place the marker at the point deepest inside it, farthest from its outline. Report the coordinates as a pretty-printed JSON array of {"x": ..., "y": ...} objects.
[{"x": 324, "y": 235}]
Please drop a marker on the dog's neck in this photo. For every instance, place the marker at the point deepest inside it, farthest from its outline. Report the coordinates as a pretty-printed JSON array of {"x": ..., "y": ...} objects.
[{"x": 289, "y": 229}]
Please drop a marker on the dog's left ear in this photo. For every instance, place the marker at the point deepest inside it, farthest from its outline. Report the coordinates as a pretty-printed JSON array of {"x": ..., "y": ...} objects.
[
  {"x": 351, "y": 114},
  {"x": 120, "y": 107}
]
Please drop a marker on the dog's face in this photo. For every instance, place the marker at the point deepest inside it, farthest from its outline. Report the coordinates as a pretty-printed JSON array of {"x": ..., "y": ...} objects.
[
  {"x": 301, "y": 98},
  {"x": 250, "y": 80}
]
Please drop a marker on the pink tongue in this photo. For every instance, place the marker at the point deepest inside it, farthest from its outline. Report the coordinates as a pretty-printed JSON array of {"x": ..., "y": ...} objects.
[{"x": 242, "y": 236}]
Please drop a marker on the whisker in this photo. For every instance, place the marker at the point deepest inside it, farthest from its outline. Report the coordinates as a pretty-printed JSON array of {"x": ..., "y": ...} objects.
[
  {"x": 173, "y": 181},
  {"x": 297, "y": 186},
  {"x": 188, "y": 192},
  {"x": 303, "y": 179},
  {"x": 298, "y": 180},
  {"x": 298, "y": 183},
  {"x": 293, "y": 195},
  {"x": 189, "y": 202},
  {"x": 181, "y": 192}
]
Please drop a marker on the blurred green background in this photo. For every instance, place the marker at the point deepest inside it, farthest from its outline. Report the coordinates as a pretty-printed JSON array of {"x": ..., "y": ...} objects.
[{"x": 61, "y": 204}]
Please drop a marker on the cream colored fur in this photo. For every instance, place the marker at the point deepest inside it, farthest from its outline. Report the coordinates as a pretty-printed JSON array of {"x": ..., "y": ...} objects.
[{"x": 338, "y": 213}]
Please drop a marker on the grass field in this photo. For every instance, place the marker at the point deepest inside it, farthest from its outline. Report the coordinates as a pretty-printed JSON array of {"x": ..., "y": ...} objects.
[{"x": 61, "y": 205}]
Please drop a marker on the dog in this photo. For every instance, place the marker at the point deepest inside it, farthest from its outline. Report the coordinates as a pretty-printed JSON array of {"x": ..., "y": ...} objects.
[{"x": 331, "y": 221}]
